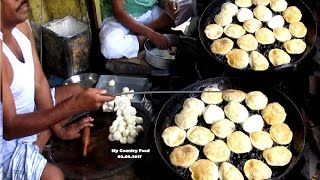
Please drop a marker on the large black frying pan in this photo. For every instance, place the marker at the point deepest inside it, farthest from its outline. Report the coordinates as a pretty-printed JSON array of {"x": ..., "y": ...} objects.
[
  {"x": 307, "y": 18},
  {"x": 174, "y": 105},
  {"x": 100, "y": 161}
]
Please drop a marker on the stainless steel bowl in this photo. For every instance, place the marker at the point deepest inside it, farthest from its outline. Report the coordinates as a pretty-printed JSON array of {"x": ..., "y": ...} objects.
[
  {"x": 86, "y": 80},
  {"x": 159, "y": 59}
]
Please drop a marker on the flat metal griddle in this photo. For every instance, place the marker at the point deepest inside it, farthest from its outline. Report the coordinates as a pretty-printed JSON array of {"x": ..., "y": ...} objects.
[
  {"x": 174, "y": 105},
  {"x": 100, "y": 161}
]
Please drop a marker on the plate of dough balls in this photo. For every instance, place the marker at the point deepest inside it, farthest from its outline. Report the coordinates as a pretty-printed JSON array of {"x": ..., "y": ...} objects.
[
  {"x": 257, "y": 35},
  {"x": 240, "y": 131}
]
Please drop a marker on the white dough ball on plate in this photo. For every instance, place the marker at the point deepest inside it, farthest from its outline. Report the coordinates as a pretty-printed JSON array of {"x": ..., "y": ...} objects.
[
  {"x": 125, "y": 89},
  {"x": 112, "y": 83}
]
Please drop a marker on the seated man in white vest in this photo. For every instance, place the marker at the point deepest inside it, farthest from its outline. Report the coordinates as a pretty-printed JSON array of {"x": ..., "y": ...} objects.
[
  {"x": 31, "y": 112},
  {"x": 128, "y": 23}
]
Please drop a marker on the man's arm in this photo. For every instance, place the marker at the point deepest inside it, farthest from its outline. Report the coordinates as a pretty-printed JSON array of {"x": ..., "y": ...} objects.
[{"x": 124, "y": 18}]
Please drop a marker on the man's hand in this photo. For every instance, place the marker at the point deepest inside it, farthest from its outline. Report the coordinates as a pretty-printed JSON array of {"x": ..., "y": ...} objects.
[
  {"x": 171, "y": 8},
  {"x": 73, "y": 130},
  {"x": 92, "y": 99},
  {"x": 160, "y": 41}
]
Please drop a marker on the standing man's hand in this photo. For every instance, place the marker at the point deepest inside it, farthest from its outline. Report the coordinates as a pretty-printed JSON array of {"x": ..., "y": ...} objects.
[
  {"x": 160, "y": 41},
  {"x": 92, "y": 99},
  {"x": 72, "y": 131}
]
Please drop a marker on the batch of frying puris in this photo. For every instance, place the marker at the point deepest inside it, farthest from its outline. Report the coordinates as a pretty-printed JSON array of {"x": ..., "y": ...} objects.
[
  {"x": 241, "y": 26},
  {"x": 224, "y": 123}
]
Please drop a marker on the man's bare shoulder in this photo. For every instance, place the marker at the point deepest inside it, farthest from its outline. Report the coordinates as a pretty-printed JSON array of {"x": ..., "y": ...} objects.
[{"x": 24, "y": 28}]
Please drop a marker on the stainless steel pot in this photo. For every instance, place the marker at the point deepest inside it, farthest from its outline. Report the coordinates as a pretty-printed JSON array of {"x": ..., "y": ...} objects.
[
  {"x": 159, "y": 58},
  {"x": 86, "y": 80}
]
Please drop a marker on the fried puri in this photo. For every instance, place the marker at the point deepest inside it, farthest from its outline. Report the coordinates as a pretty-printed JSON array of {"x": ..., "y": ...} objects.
[
  {"x": 173, "y": 136},
  {"x": 239, "y": 143},
  {"x": 184, "y": 156},
  {"x": 238, "y": 58},
  {"x": 274, "y": 113},
  {"x": 221, "y": 46},
  {"x": 281, "y": 133},
  {"x": 261, "y": 140},
  {"x": 258, "y": 62}
]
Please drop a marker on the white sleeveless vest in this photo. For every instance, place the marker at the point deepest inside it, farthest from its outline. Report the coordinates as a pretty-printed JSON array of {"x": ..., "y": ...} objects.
[{"x": 22, "y": 87}]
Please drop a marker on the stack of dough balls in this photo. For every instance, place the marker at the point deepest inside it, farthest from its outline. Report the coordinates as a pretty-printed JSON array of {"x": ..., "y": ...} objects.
[
  {"x": 244, "y": 31},
  {"x": 215, "y": 126},
  {"x": 126, "y": 127}
]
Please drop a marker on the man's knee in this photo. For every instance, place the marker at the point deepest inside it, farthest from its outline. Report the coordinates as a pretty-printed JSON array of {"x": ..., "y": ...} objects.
[{"x": 51, "y": 172}]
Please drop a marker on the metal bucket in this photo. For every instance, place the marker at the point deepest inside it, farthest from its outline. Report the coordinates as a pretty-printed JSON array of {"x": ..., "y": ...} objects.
[{"x": 157, "y": 57}]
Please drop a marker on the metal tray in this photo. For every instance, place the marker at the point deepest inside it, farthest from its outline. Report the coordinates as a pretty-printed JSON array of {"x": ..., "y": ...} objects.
[{"x": 135, "y": 83}]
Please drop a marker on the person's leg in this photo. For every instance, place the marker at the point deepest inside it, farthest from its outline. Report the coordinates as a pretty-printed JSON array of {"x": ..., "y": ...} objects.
[
  {"x": 51, "y": 172},
  {"x": 116, "y": 40}
]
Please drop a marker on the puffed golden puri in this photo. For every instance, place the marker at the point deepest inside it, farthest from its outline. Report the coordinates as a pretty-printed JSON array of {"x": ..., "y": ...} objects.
[
  {"x": 217, "y": 151},
  {"x": 295, "y": 46},
  {"x": 221, "y": 46},
  {"x": 223, "y": 128},
  {"x": 204, "y": 169},
  {"x": 274, "y": 113},
  {"x": 256, "y": 100},
  {"x": 261, "y": 140},
  {"x": 298, "y": 29},
  {"x": 186, "y": 118},
  {"x": 277, "y": 156},
  {"x": 258, "y": 62},
  {"x": 184, "y": 156},
  {"x": 278, "y": 57},
  {"x": 255, "y": 169},
  {"x": 236, "y": 112},
  {"x": 281, "y": 133},
  {"x": 200, "y": 135},
  {"x": 213, "y": 31},
  {"x": 233, "y": 95},
  {"x": 239, "y": 143},
  {"x": 173, "y": 136},
  {"x": 228, "y": 171},
  {"x": 292, "y": 14},
  {"x": 247, "y": 42},
  {"x": 238, "y": 58}
]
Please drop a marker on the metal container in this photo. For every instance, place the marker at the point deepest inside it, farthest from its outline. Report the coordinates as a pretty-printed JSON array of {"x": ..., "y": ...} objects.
[
  {"x": 86, "y": 80},
  {"x": 135, "y": 83},
  {"x": 66, "y": 47},
  {"x": 158, "y": 58}
]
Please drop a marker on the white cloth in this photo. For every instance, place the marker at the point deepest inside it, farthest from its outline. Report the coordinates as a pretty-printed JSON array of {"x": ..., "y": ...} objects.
[
  {"x": 118, "y": 41},
  {"x": 23, "y": 89}
]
